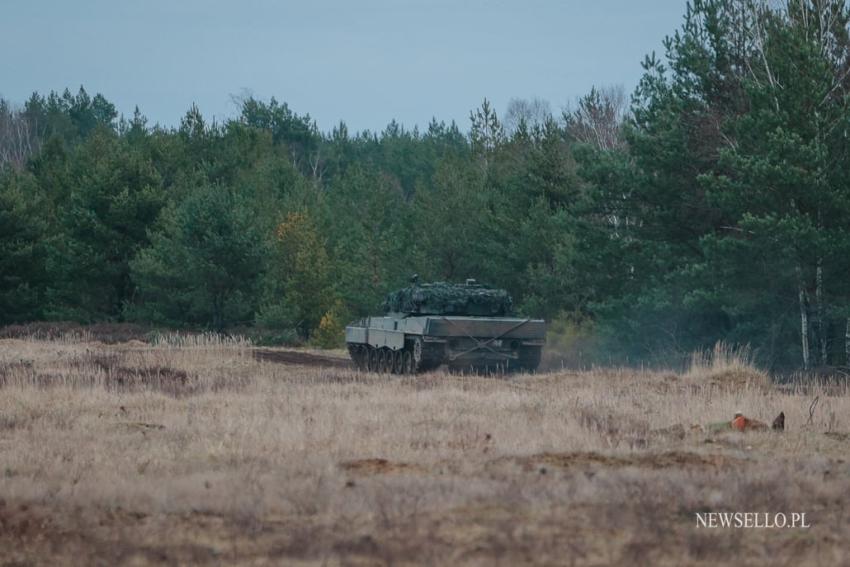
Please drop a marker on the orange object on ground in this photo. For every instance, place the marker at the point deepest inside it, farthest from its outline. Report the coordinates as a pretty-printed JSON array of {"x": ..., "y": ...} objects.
[{"x": 742, "y": 423}]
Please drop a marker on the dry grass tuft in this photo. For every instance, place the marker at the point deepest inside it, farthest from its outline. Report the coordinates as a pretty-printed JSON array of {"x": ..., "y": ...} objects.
[
  {"x": 200, "y": 340},
  {"x": 726, "y": 366}
]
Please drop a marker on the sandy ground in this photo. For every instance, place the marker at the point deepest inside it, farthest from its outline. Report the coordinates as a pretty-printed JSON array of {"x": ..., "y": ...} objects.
[{"x": 215, "y": 452}]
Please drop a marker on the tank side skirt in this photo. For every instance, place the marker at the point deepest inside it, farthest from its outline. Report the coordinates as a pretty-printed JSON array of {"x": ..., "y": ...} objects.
[{"x": 383, "y": 338}]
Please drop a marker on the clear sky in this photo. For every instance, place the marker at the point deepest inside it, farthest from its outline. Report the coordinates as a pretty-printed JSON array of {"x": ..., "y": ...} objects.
[{"x": 364, "y": 61}]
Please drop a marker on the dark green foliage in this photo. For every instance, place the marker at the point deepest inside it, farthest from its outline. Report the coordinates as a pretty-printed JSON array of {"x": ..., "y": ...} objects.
[
  {"x": 297, "y": 289},
  {"x": 112, "y": 195},
  {"x": 22, "y": 249},
  {"x": 204, "y": 263},
  {"x": 69, "y": 117}
]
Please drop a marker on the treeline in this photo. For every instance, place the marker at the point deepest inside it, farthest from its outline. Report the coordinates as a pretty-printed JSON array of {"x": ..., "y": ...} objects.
[{"x": 713, "y": 206}]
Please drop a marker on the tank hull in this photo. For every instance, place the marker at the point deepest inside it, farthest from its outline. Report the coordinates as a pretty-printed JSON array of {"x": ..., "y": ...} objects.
[{"x": 416, "y": 343}]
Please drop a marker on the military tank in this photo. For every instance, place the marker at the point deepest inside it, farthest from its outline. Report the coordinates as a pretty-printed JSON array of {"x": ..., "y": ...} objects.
[{"x": 468, "y": 327}]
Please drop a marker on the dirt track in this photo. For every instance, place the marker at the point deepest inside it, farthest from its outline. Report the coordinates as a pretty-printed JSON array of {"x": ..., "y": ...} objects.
[{"x": 301, "y": 358}]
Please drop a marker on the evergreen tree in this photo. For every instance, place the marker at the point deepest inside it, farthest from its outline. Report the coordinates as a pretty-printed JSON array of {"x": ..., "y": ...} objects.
[
  {"x": 22, "y": 248},
  {"x": 368, "y": 223},
  {"x": 204, "y": 263},
  {"x": 112, "y": 195},
  {"x": 784, "y": 183}
]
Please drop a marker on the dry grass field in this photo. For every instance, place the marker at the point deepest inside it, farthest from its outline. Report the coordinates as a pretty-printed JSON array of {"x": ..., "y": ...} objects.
[{"x": 203, "y": 450}]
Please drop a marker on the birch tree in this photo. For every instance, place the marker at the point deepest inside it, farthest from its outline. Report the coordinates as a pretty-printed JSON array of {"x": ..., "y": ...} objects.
[{"x": 784, "y": 173}]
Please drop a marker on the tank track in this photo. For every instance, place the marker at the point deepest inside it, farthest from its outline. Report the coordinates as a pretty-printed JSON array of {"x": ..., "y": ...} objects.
[{"x": 418, "y": 356}]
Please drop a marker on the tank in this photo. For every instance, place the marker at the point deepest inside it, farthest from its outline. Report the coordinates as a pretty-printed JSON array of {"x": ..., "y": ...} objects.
[{"x": 467, "y": 327}]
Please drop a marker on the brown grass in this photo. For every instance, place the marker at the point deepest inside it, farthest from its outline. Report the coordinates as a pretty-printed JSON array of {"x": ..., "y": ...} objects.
[
  {"x": 196, "y": 451},
  {"x": 109, "y": 333},
  {"x": 726, "y": 365}
]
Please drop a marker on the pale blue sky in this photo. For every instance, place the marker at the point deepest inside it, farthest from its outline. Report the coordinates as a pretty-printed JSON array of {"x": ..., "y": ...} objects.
[{"x": 366, "y": 62}]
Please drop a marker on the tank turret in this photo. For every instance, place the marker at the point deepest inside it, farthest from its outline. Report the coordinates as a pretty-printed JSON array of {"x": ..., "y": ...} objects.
[{"x": 443, "y": 298}]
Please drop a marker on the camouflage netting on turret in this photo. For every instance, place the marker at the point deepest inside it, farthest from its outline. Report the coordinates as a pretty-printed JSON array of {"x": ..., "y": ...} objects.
[{"x": 443, "y": 298}]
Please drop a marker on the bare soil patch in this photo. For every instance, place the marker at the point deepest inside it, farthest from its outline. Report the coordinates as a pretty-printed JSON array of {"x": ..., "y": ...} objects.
[
  {"x": 654, "y": 461},
  {"x": 379, "y": 466},
  {"x": 301, "y": 358}
]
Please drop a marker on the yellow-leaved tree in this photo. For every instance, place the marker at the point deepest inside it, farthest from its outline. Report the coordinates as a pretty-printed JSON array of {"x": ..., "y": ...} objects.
[
  {"x": 331, "y": 330},
  {"x": 299, "y": 292}
]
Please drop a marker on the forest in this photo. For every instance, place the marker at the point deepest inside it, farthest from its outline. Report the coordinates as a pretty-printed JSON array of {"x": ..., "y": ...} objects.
[{"x": 710, "y": 204}]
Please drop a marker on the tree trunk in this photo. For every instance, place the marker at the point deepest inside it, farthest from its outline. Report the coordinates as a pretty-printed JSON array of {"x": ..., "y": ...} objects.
[
  {"x": 804, "y": 324},
  {"x": 820, "y": 324},
  {"x": 847, "y": 343}
]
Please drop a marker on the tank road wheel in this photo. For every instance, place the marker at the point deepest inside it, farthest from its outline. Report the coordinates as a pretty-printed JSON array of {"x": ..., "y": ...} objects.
[
  {"x": 417, "y": 355},
  {"x": 407, "y": 366},
  {"x": 353, "y": 351},
  {"x": 387, "y": 358},
  {"x": 398, "y": 362},
  {"x": 361, "y": 358},
  {"x": 381, "y": 366},
  {"x": 425, "y": 358},
  {"x": 388, "y": 361},
  {"x": 372, "y": 359}
]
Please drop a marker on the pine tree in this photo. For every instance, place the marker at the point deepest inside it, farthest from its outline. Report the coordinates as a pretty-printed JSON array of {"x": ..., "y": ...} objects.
[
  {"x": 23, "y": 237},
  {"x": 204, "y": 264}
]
